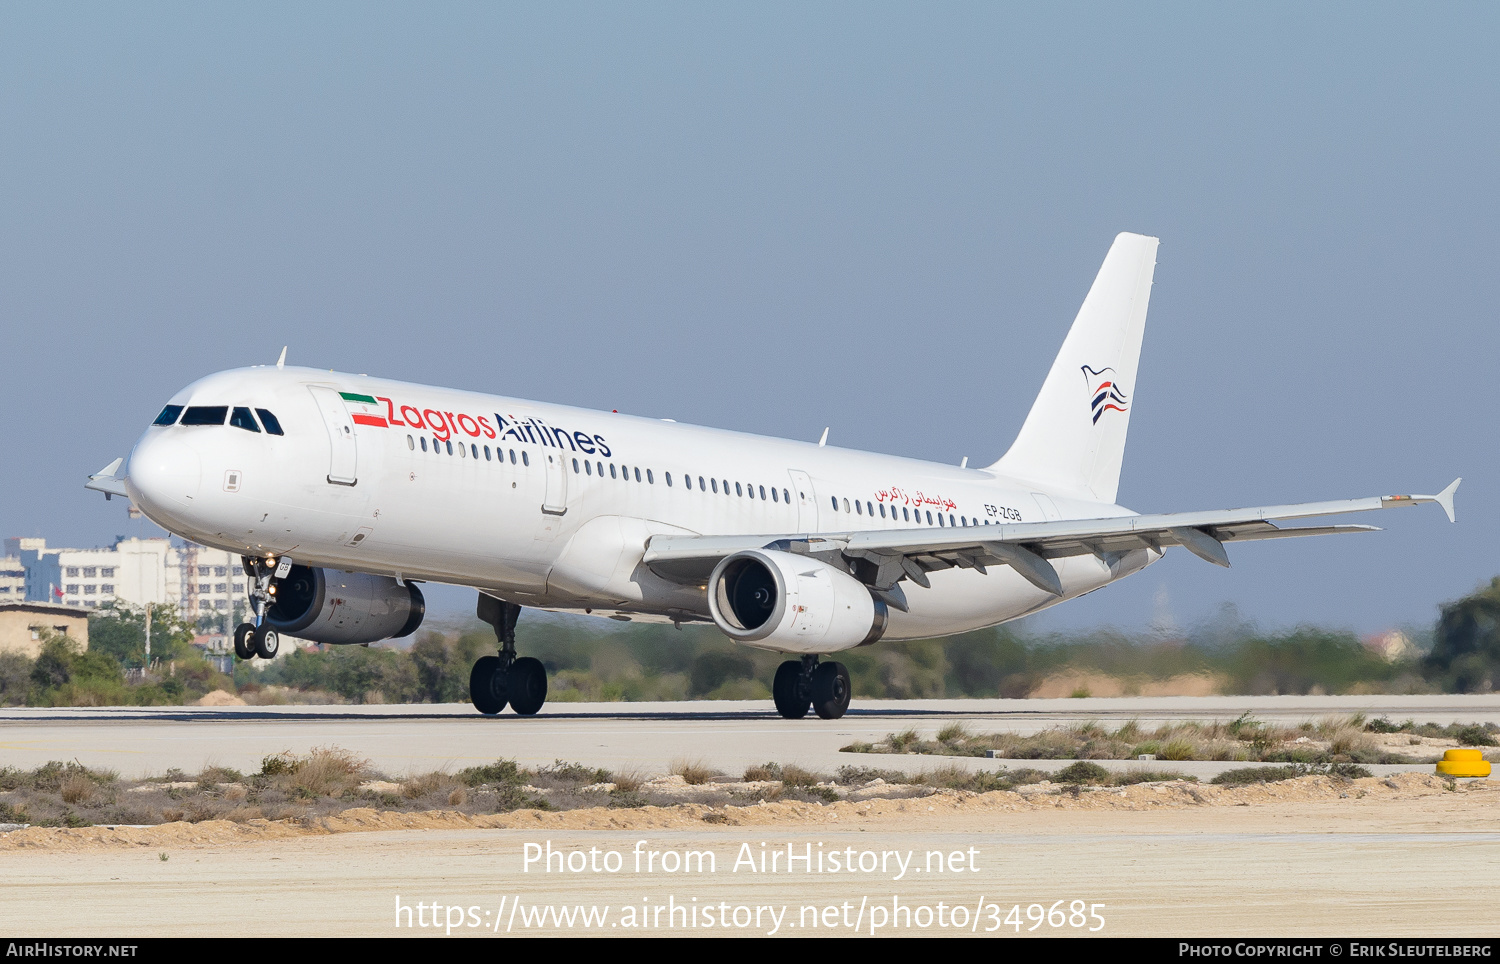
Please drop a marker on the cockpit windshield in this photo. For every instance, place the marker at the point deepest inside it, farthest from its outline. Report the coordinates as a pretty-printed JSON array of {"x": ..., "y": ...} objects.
[
  {"x": 241, "y": 418},
  {"x": 215, "y": 415},
  {"x": 205, "y": 415},
  {"x": 273, "y": 427}
]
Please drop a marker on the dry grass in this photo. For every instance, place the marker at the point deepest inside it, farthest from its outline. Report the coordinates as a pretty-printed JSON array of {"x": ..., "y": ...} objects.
[
  {"x": 76, "y": 788},
  {"x": 434, "y": 784},
  {"x": 693, "y": 772},
  {"x": 628, "y": 780},
  {"x": 1330, "y": 740},
  {"x": 326, "y": 771},
  {"x": 326, "y": 782}
]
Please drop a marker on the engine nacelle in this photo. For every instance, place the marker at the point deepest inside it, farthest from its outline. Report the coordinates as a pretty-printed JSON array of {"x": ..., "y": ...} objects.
[
  {"x": 330, "y": 606},
  {"x": 792, "y": 604}
]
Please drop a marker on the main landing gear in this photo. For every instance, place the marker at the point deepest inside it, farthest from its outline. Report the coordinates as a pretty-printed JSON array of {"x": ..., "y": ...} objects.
[
  {"x": 808, "y": 684},
  {"x": 497, "y": 680},
  {"x": 257, "y": 638}
]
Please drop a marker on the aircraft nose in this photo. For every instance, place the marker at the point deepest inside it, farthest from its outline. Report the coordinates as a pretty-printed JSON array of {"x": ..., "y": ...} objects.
[{"x": 164, "y": 473}]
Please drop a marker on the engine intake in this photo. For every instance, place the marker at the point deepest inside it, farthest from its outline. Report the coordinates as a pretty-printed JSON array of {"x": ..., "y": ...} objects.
[
  {"x": 792, "y": 604},
  {"x": 342, "y": 608}
]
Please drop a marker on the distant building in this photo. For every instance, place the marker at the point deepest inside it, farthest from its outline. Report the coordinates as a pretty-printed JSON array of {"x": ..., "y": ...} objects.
[
  {"x": 199, "y": 581},
  {"x": 23, "y": 625},
  {"x": 12, "y": 579}
]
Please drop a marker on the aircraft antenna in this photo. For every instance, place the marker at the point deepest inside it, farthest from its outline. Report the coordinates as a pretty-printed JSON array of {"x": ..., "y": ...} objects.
[
  {"x": 824, "y": 440},
  {"x": 281, "y": 361}
]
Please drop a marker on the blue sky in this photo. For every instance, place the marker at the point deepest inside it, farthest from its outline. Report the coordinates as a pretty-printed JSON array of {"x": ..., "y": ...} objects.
[{"x": 776, "y": 217}]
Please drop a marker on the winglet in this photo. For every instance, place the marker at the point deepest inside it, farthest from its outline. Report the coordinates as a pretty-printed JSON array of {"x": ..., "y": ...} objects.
[
  {"x": 1445, "y": 498},
  {"x": 281, "y": 361}
]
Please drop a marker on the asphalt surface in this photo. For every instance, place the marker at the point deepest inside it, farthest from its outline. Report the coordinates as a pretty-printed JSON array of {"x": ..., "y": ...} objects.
[{"x": 727, "y": 735}]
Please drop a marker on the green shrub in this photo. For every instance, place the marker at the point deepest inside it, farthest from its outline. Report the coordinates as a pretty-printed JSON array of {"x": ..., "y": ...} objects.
[{"x": 1082, "y": 772}]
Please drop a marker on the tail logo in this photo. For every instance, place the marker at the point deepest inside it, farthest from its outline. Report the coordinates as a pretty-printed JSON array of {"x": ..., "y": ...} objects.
[{"x": 1104, "y": 392}]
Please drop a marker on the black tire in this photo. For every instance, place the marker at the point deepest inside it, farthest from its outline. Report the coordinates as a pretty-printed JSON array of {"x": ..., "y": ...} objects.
[
  {"x": 786, "y": 691},
  {"x": 243, "y": 648},
  {"x": 487, "y": 685},
  {"x": 528, "y": 685},
  {"x": 831, "y": 690},
  {"x": 266, "y": 642}
]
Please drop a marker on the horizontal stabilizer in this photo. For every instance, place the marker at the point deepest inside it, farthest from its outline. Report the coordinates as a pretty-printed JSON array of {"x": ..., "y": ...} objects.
[{"x": 107, "y": 482}]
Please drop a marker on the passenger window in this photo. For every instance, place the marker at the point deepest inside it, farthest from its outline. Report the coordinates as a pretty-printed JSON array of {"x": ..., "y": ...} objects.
[
  {"x": 763, "y": 493},
  {"x": 737, "y": 490},
  {"x": 474, "y": 450},
  {"x": 525, "y": 459},
  {"x": 424, "y": 443},
  {"x": 835, "y": 500},
  {"x": 576, "y": 469},
  {"x": 205, "y": 415},
  {"x": 786, "y": 496},
  {"x": 726, "y": 486},
  {"x": 241, "y": 418},
  {"x": 168, "y": 415},
  {"x": 846, "y": 505},
  {"x": 702, "y": 487},
  {"x": 668, "y": 477},
  {"x": 612, "y": 473},
  {"x": 273, "y": 427},
  {"x": 773, "y": 494},
  {"x": 512, "y": 456},
  {"x": 929, "y": 518},
  {"x": 950, "y": 519},
  {"x": 940, "y": 519},
  {"x": 411, "y": 444},
  {"x": 588, "y": 468},
  {"x": 858, "y": 508},
  {"x": 906, "y": 513},
  {"x": 637, "y": 473},
  {"x": 449, "y": 444},
  {"x": 715, "y": 483},
  {"x": 869, "y": 508},
  {"x": 649, "y": 479},
  {"x": 486, "y": 453}
]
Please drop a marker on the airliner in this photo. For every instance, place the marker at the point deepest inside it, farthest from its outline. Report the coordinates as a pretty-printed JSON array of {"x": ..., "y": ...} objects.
[{"x": 344, "y": 493}]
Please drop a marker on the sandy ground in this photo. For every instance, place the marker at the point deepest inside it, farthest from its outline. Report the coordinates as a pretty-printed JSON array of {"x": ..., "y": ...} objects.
[{"x": 1376, "y": 857}]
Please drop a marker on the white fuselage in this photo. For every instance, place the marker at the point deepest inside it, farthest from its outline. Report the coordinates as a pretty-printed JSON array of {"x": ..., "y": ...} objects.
[{"x": 552, "y": 507}]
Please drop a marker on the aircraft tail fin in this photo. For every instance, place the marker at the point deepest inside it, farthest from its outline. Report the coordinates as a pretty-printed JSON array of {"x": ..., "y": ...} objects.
[{"x": 1073, "y": 440}]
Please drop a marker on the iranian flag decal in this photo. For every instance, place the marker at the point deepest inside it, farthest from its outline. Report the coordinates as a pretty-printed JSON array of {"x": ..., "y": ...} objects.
[{"x": 360, "y": 407}]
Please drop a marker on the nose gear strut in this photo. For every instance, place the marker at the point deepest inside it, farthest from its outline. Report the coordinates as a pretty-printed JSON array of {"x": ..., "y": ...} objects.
[{"x": 257, "y": 638}]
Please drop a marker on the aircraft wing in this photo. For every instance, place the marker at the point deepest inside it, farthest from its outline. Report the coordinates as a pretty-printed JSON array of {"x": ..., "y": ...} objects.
[{"x": 884, "y": 557}]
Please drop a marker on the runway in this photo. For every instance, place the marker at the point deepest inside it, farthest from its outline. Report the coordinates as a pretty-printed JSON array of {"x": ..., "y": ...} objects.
[{"x": 139, "y": 741}]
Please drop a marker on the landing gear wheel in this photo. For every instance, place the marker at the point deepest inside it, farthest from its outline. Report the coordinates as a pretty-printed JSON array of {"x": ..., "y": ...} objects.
[
  {"x": 243, "y": 648},
  {"x": 527, "y": 685},
  {"x": 830, "y": 690},
  {"x": 487, "y": 685},
  {"x": 787, "y": 692},
  {"x": 266, "y": 642}
]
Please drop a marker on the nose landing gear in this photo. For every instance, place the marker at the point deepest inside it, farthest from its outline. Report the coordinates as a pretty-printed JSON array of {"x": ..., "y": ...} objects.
[
  {"x": 807, "y": 684},
  {"x": 257, "y": 638},
  {"x": 497, "y": 680}
]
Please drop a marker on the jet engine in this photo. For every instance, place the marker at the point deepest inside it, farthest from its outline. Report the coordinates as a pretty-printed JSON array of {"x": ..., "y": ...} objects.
[
  {"x": 330, "y": 606},
  {"x": 792, "y": 604}
]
